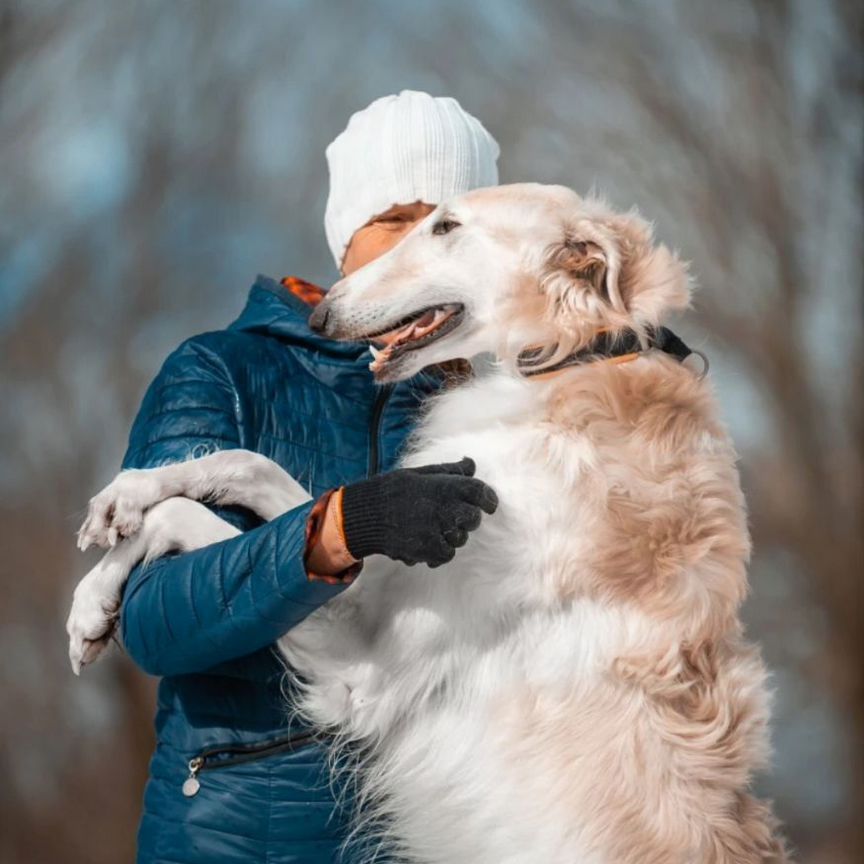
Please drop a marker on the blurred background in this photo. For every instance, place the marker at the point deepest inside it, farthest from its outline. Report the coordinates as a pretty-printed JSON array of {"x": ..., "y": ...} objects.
[{"x": 155, "y": 156}]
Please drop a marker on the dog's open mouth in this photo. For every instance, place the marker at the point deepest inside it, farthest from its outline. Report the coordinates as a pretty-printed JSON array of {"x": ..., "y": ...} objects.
[{"x": 415, "y": 331}]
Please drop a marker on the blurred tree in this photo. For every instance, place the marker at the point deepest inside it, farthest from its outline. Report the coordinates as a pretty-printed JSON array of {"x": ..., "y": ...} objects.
[{"x": 157, "y": 155}]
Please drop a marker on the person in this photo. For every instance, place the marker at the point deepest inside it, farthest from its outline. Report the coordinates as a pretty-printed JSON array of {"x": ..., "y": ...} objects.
[{"x": 234, "y": 777}]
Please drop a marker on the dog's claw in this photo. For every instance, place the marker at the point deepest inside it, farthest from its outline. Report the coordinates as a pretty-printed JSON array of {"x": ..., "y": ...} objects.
[
  {"x": 118, "y": 510},
  {"x": 85, "y": 651},
  {"x": 89, "y": 651},
  {"x": 90, "y": 625}
]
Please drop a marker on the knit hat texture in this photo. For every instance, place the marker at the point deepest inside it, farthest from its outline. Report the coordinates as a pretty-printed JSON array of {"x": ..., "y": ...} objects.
[{"x": 400, "y": 149}]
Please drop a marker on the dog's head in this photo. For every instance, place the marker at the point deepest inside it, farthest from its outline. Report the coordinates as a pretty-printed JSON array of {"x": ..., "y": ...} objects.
[{"x": 502, "y": 268}]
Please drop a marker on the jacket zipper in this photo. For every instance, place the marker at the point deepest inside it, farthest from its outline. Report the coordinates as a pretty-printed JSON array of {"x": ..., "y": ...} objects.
[
  {"x": 222, "y": 757},
  {"x": 374, "y": 426},
  {"x": 236, "y": 754}
]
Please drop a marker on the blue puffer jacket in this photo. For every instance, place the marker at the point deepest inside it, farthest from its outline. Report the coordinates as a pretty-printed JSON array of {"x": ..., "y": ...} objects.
[{"x": 206, "y": 620}]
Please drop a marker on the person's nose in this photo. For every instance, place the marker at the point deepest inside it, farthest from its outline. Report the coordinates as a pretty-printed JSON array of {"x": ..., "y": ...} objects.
[{"x": 318, "y": 319}]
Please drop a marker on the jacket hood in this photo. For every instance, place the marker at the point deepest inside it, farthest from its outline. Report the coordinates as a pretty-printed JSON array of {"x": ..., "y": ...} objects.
[{"x": 273, "y": 310}]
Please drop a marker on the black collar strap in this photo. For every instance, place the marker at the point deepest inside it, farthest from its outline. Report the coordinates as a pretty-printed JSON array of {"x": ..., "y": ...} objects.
[{"x": 607, "y": 345}]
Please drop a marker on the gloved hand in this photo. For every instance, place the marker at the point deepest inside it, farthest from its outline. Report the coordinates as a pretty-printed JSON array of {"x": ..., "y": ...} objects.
[{"x": 415, "y": 514}]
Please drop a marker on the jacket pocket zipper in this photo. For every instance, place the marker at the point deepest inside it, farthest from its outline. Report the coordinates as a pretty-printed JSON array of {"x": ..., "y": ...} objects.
[{"x": 236, "y": 754}]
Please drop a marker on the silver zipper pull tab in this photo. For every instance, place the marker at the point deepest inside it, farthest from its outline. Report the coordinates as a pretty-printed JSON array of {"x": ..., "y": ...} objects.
[{"x": 191, "y": 784}]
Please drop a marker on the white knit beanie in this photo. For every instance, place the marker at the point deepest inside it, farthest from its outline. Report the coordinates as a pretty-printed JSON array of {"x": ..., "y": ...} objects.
[{"x": 401, "y": 149}]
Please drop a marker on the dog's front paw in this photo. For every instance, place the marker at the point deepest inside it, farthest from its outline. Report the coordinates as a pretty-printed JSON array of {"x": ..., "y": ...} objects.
[
  {"x": 90, "y": 624},
  {"x": 118, "y": 510}
]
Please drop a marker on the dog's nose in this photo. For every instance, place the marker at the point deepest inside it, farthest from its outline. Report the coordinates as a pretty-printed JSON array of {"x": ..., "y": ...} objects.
[{"x": 318, "y": 319}]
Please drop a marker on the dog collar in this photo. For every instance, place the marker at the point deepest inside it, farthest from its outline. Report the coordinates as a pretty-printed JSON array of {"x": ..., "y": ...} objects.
[{"x": 618, "y": 347}]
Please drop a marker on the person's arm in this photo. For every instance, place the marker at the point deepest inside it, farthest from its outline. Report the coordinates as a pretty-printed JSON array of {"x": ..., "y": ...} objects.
[{"x": 189, "y": 612}]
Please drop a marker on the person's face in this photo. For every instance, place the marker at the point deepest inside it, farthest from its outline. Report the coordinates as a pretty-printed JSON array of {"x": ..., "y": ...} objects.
[{"x": 381, "y": 233}]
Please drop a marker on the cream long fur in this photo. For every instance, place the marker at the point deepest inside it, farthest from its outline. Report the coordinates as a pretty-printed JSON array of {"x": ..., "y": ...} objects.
[{"x": 574, "y": 686}]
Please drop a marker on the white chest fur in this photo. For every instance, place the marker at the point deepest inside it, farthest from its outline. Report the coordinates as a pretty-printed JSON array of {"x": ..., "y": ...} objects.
[{"x": 409, "y": 648}]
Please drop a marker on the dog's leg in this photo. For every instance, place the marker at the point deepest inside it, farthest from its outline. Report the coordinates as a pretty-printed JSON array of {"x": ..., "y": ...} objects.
[
  {"x": 176, "y": 524},
  {"x": 227, "y": 477}
]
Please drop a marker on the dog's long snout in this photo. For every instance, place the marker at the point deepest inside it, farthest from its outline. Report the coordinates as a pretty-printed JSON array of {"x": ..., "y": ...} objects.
[{"x": 318, "y": 318}]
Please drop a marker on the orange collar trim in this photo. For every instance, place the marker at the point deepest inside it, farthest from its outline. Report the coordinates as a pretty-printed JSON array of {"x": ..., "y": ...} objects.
[
  {"x": 615, "y": 361},
  {"x": 308, "y": 292}
]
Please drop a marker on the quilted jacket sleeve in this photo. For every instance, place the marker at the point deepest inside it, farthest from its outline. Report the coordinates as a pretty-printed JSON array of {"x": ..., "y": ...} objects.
[{"x": 188, "y": 612}]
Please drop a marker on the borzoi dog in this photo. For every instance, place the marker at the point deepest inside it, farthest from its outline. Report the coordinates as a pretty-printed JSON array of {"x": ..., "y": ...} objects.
[{"x": 574, "y": 686}]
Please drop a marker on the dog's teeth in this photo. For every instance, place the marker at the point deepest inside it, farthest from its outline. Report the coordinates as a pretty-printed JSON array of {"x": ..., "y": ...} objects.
[{"x": 376, "y": 352}]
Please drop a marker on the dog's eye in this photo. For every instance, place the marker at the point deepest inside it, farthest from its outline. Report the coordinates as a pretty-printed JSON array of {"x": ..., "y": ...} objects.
[{"x": 445, "y": 226}]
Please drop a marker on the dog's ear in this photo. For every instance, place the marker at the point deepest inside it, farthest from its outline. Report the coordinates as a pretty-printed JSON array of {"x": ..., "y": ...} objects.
[
  {"x": 654, "y": 283},
  {"x": 608, "y": 270},
  {"x": 586, "y": 262},
  {"x": 582, "y": 272}
]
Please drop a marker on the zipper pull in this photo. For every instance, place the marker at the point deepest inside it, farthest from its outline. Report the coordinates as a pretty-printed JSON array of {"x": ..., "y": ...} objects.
[{"x": 191, "y": 784}]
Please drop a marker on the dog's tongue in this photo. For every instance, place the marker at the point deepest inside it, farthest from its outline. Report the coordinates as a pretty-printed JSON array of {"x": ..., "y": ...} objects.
[
  {"x": 428, "y": 317},
  {"x": 427, "y": 322}
]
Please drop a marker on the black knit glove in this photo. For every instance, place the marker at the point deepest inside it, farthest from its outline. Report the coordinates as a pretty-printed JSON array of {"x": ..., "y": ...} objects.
[{"x": 415, "y": 514}]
